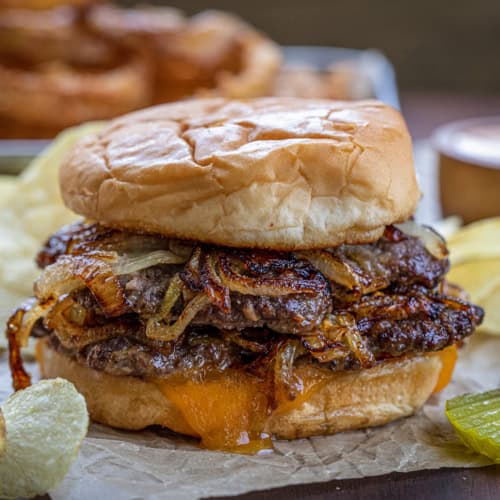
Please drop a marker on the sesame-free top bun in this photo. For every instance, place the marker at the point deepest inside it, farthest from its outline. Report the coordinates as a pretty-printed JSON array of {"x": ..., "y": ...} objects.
[
  {"x": 278, "y": 173},
  {"x": 349, "y": 400}
]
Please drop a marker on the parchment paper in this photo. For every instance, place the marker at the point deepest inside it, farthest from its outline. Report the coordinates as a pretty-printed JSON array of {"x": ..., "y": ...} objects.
[{"x": 153, "y": 465}]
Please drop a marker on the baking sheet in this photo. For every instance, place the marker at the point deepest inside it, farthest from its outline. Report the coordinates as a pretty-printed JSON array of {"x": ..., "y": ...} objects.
[{"x": 372, "y": 64}]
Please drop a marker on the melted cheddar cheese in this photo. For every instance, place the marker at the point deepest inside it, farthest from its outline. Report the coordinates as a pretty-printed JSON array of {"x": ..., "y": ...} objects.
[
  {"x": 448, "y": 358},
  {"x": 229, "y": 412}
]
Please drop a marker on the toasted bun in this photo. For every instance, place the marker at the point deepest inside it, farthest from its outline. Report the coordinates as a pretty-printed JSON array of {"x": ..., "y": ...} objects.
[
  {"x": 351, "y": 400},
  {"x": 271, "y": 173}
]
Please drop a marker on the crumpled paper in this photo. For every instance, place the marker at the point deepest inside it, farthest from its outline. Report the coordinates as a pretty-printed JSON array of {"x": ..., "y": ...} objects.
[{"x": 161, "y": 465}]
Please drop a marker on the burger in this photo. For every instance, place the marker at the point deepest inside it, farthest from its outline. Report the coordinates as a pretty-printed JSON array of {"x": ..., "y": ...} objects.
[{"x": 244, "y": 270}]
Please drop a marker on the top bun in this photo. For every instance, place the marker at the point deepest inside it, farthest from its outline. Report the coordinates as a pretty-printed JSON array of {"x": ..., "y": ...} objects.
[{"x": 278, "y": 173}]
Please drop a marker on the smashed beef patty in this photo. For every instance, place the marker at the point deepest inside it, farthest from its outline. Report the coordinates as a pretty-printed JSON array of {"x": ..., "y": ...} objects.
[{"x": 386, "y": 304}]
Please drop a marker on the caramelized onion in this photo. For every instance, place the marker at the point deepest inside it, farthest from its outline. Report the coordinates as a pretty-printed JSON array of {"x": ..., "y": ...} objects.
[
  {"x": 339, "y": 338},
  {"x": 332, "y": 267},
  {"x": 272, "y": 287},
  {"x": 172, "y": 295},
  {"x": 94, "y": 271},
  {"x": 84, "y": 238},
  {"x": 453, "y": 290},
  {"x": 130, "y": 264},
  {"x": 20, "y": 378},
  {"x": 157, "y": 330},
  {"x": 77, "y": 314},
  {"x": 217, "y": 273},
  {"x": 212, "y": 283},
  {"x": 353, "y": 338},
  {"x": 24, "y": 318},
  {"x": 434, "y": 242},
  {"x": 342, "y": 327},
  {"x": 314, "y": 343},
  {"x": 237, "y": 338},
  {"x": 286, "y": 384},
  {"x": 324, "y": 351},
  {"x": 73, "y": 335},
  {"x": 345, "y": 274},
  {"x": 181, "y": 248},
  {"x": 458, "y": 304},
  {"x": 19, "y": 327},
  {"x": 156, "y": 323}
]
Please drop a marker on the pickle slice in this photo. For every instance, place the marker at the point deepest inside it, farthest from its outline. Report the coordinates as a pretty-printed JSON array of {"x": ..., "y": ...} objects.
[{"x": 476, "y": 419}]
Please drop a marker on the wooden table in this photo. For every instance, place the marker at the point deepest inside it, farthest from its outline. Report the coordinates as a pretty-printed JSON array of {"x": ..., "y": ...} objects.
[{"x": 442, "y": 484}]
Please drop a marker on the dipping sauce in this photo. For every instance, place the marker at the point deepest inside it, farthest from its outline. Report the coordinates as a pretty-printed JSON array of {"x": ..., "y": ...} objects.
[{"x": 469, "y": 167}]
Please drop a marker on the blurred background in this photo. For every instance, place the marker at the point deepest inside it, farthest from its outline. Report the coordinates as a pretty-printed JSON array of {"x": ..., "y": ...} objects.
[
  {"x": 65, "y": 62},
  {"x": 433, "y": 44},
  {"x": 442, "y": 50}
]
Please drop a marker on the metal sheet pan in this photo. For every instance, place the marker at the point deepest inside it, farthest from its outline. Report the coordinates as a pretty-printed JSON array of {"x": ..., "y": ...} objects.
[{"x": 371, "y": 63}]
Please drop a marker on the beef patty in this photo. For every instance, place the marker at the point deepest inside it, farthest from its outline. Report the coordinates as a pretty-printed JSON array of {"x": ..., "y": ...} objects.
[{"x": 385, "y": 303}]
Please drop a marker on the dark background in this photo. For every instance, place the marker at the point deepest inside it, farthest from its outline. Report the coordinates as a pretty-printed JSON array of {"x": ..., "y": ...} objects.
[{"x": 451, "y": 45}]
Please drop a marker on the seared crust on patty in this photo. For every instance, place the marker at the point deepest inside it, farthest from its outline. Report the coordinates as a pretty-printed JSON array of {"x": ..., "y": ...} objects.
[{"x": 394, "y": 309}]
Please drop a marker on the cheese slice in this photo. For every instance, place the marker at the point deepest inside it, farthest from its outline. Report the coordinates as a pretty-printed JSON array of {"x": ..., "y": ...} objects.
[{"x": 229, "y": 411}]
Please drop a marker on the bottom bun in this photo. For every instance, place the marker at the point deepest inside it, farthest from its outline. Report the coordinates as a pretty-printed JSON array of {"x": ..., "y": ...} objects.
[{"x": 350, "y": 400}]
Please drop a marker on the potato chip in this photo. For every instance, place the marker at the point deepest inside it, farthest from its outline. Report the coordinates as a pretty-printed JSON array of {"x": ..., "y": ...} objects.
[
  {"x": 478, "y": 230},
  {"x": 46, "y": 424},
  {"x": 38, "y": 186},
  {"x": 3, "y": 435},
  {"x": 475, "y": 258},
  {"x": 473, "y": 251},
  {"x": 491, "y": 305},
  {"x": 32, "y": 212},
  {"x": 477, "y": 277},
  {"x": 447, "y": 227},
  {"x": 479, "y": 240},
  {"x": 7, "y": 186}
]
